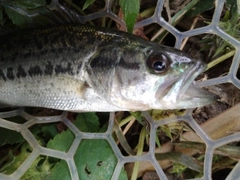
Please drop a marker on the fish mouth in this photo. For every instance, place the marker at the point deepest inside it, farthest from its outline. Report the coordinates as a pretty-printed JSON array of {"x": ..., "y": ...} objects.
[{"x": 182, "y": 93}]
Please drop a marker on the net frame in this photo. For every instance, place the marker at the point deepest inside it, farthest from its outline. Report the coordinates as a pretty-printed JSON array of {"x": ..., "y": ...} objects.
[{"x": 211, "y": 145}]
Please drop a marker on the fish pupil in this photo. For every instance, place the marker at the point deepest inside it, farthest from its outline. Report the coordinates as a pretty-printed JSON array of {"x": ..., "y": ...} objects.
[
  {"x": 159, "y": 66},
  {"x": 158, "y": 63}
]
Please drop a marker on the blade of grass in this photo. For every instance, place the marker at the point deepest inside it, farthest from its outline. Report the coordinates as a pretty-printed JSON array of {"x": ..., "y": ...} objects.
[
  {"x": 139, "y": 152},
  {"x": 175, "y": 19}
]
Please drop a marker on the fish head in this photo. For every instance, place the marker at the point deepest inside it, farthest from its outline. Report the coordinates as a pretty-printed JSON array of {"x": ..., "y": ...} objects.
[{"x": 158, "y": 77}]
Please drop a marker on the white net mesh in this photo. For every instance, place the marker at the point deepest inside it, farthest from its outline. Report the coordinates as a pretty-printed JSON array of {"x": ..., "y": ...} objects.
[{"x": 206, "y": 135}]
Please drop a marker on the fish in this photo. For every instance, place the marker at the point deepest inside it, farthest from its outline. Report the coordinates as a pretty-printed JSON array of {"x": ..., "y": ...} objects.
[{"x": 88, "y": 68}]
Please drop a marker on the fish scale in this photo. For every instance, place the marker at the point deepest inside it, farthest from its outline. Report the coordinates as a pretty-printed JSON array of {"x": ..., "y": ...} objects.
[
  {"x": 87, "y": 68},
  {"x": 49, "y": 45}
]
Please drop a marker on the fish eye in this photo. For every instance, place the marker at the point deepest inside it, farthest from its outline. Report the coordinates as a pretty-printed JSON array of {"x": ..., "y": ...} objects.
[{"x": 159, "y": 63}]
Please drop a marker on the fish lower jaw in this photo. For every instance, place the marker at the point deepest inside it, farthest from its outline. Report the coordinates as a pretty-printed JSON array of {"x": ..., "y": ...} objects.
[
  {"x": 186, "y": 104},
  {"x": 192, "y": 98}
]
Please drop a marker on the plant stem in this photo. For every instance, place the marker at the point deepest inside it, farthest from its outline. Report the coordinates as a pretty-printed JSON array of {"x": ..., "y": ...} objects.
[
  {"x": 220, "y": 59},
  {"x": 126, "y": 120},
  {"x": 147, "y": 12}
]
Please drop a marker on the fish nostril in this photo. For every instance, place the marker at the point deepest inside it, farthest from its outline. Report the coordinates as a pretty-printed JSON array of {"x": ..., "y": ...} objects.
[
  {"x": 194, "y": 64},
  {"x": 182, "y": 67}
]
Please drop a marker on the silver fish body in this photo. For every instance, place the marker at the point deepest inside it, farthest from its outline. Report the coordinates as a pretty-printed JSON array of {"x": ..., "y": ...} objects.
[{"x": 84, "y": 68}]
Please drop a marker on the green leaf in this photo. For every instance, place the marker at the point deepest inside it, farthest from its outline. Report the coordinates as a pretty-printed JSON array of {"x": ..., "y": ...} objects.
[
  {"x": 62, "y": 142},
  {"x": 8, "y": 136},
  {"x": 201, "y": 6},
  {"x": 167, "y": 131},
  {"x": 138, "y": 116},
  {"x": 25, "y": 5},
  {"x": 87, "y": 122},
  {"x": 130, "y": 11},
  {"x": 49, "y": 131},
  {"x": 87, "y": 3},
  {"x": 13, "y": 162},
  {"x": 232, "y": 5},
  {"x": 18, "y": 19},
  {"x": 95, "y": 160},
  {"x": 234, "y": 10},
  {"x": 103, "y": 128},
  {"x": 123, "y": 175},
  {"x": 28, "y": 4},
  {"x": 39, "y": 169},
  {"x": 158, "y": 141},
  {"x": 180, "y": 158},
  {"x": 59, "y": 171}
]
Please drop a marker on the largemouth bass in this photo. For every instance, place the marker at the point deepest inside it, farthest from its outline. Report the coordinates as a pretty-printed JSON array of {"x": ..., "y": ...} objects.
[{"x": 87, "y": 68}]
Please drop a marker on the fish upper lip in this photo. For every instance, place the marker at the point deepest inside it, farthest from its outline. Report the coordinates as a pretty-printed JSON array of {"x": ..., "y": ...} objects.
[
  {"x": 189, "y": 76},
  {"x": 182, "y": 88}
]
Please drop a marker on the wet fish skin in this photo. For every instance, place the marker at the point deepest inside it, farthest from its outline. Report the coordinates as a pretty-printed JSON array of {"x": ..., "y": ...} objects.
[{"x": 87, "y": 68}]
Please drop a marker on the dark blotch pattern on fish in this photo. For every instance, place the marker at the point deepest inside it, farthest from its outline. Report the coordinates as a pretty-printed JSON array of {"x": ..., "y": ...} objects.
[
  {"x": 48, "y": 68},
  {"x": 128, "y": 65},
  {"x": 2, "y": 75},
  {"x": 59, "y": 69},
  {"x": 79, "y": 66},
  {"x": 21, "y": 72},
  {"x": 39, "y": 45},
  {"x": 102, "y": 62},
  {"x": 35, "y": 70},
  {"x": 10, "y": 74},
  {"x": 27, "y": 55}
]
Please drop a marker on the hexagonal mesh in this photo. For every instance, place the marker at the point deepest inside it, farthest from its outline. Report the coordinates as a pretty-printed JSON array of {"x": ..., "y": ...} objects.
[{"x": 208, "y": 136}]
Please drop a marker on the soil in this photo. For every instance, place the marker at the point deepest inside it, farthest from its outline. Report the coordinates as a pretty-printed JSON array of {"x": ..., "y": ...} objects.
[{"x": 228, "y": 94}]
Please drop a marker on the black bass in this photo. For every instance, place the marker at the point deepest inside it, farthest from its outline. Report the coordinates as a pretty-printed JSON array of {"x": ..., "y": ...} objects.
[{"x": 84, "y": 68}]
